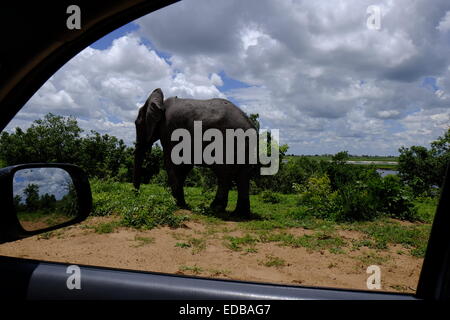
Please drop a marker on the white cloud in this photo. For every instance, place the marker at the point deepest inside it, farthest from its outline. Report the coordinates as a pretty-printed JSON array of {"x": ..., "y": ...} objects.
[
  {"x": 313, "y": 68},
  {"x": 105, "y": 88},
  {"x": 444, "y": 24}
]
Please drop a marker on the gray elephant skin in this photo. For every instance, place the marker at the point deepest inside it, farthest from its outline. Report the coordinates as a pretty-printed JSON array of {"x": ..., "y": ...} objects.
[{"x": 158, "y": 118}]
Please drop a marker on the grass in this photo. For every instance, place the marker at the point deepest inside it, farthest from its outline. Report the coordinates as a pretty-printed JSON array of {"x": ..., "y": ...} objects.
[
  {"x": 219, "y": 272},
  {"x": 106, "y": 227},
  {"x": 198, "y": 270},
  {"x": 273, "y": 261},
  {"x": 372, "y": 258},
  {"x": 426, "y": 208},
  {"x": 50, "y": 219},
  {"x": 59, "y": 234},
  {"x": 385, "y": 232},
  {"x": 183, "y": 245},
  {"x": 196, "y": 244},
  {"x": 192, "y": 269},
  {"x": 142, "y": 241},
  {"x": 46, "y": 235},
  {"x": 236, "y": 243},
  {"x": 153, "y": 206},
  {"x": 316, "y": 242}
]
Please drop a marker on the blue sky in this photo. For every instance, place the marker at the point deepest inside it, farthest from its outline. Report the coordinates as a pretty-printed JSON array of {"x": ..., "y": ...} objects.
[
  {"x": 314, "y": 70},
  {"x": 106, "y": 41}
]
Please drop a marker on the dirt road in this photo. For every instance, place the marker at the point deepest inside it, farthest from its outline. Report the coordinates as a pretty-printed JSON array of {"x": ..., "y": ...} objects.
[{"x": 202, "y": 250}]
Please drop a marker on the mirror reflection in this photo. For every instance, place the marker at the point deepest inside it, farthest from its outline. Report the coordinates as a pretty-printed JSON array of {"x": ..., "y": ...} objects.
[{"x": 44, "y": 197}]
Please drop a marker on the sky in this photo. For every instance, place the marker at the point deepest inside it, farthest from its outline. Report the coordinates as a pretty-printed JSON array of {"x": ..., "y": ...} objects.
[
  {"x": 49, "y": 180},
  {"x": 316, "y": 70}
]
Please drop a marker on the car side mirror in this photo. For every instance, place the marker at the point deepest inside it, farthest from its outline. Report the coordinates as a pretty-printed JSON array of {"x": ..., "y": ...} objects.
[{"x": 41, "y": 197}]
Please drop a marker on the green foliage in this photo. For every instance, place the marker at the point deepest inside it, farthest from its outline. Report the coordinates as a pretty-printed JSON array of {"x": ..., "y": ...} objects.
[
  {"x": 272, "y": 261},
  {"x": 424, "y": 169},
  {"x": 426, "y": 208},
  {"x": 150, "y": 207},
  {"x": 202, "y": 177},
  {"x": 294, "y": 170},
  {"x": 32, "y": 197},
  {"x": 356, "y": 203},
  {"x": 393, "y": 197},
  {"x": 158, "y": 211},
  {"x": 327, "y": 189},
  {"x": 105, "y": 156},
  {"x": 153, "y": 206},
  {"x": 414, "y": 237},
  {"x": 254, "y": 120},
  {"x": 356, "y": 195},
  {"x": 59, "y": 139},
  {"x": 316, "y": 194},
  {"x": 38, "y": 204},
  {"x": 52, "y": 139},
  {"x": 236, "y": 243},
  {"x": 270, "y": 197},
  {"x": 417, "y": 169}
]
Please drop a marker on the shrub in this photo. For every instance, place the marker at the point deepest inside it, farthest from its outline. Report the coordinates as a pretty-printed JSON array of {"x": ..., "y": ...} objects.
[
  {"x": 356, "y": 203},
  {"x": 317, "y": 194},
  {"x": 270, "y": 197},
  {"x": 160, "y": 178},
  {"x": 374, "y": 197},
  {"x": 366, "y": 196},
  {"x": 157, "y": 211},
  {"x": 393, "y": 197}
]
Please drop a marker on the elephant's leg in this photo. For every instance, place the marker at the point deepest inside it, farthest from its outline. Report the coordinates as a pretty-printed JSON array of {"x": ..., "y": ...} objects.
[
  {"x": 223, "y": 187},
  {"x": 176, "y": 177},
  {"x": 243, "y": 187}
]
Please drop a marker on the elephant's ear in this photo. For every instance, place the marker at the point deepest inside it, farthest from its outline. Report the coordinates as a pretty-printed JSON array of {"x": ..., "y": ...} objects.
[
  {"x": 156, "y": 99},
  {"x": 154, "y": 112}
]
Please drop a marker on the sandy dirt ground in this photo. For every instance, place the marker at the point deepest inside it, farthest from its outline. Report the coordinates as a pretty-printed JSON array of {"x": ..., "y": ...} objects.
[{"x": 197, "y": 249}]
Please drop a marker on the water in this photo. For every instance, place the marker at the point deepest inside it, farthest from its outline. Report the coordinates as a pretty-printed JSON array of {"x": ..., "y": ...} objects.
[{"x": 384, "y": 173}]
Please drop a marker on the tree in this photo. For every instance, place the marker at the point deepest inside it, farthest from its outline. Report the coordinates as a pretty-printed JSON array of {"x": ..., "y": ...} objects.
[
  {"x": 423, "y": 168},
  {"x": 440, "y": 150},
  {"x": 254, "y": 120},
  {"x": 31, "y": 197},
  {"x": 17, "y": 200},
  {"x": 52, "y": 139},
  {"x": 47, "y": 202},
  {"x": 104, "y": 155},
  {"x": 59, "y": 139}
]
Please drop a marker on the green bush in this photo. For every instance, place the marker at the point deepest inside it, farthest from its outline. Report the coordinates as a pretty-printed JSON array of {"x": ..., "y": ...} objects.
[
  {"x": 393, "y": 197},
  {"x": 270, "y": 197},
  {"x": 318, "y": 196},
  {"x": 152, "y": 206},
  {"x": 356, "y": 203},
  {"x": 160, "y": 178},
  {"x": 366, "y": 197},
  {"x": 157, "y": 211}
]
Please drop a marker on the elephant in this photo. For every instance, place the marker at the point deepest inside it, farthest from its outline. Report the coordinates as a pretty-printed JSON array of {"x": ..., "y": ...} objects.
[{"x": 158, "y": 119}]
